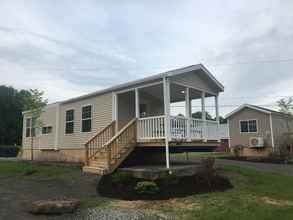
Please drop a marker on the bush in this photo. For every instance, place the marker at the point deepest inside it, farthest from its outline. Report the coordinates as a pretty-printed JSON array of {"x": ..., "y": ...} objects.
[
  {"x": 147, "y": 188},
  {"x": 9, "y": 151},
  {"x": 237, "y": 150},
  {"x": 120, "y": 178}
]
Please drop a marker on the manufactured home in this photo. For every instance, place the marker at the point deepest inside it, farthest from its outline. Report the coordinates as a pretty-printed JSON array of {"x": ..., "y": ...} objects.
[
  {"x": 103, "y": 128},
  {"x": 257, "y": 130}
]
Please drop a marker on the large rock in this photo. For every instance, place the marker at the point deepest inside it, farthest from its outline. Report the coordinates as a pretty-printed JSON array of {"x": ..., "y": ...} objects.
[{"x": 54, "y": 206}]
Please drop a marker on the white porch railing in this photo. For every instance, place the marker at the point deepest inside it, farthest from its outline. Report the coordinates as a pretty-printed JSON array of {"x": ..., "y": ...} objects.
[{"x": 151, "y": 128}]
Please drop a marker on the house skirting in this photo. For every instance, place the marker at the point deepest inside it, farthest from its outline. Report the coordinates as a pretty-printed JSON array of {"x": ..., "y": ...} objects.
[
  {"x": 60, "y": 155},
  {"x": 256, "y": 152}
]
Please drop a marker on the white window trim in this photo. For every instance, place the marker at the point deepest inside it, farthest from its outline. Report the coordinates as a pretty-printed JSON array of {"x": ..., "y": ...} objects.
[
  {"x": 66, "y": 110},
  {"x": 249, "y": 132},
  {"x": 91, "y": 118}
]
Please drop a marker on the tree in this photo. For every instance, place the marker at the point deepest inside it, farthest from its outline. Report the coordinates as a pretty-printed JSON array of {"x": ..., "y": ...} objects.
[
  {"x": 11, "y": 107},
  {"x": 286, "y": 105},
  {"x": 199, "y": 115},
  {"x": 34, "y": 103}
]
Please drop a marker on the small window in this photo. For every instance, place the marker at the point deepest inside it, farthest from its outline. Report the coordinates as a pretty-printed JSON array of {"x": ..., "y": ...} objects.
[
  {"x": 47, "y": 130},
  {"x": 86, "y": 118},
  {"x": 69, "y": 123},
  {"x": 248, "y": 126}
]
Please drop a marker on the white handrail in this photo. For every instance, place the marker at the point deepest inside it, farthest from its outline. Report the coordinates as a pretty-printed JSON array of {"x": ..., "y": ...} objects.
[{"x": 150, "y": 128}]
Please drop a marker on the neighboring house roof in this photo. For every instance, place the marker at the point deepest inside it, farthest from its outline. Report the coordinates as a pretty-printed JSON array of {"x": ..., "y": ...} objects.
[
  {"x": 152, "y": 78},
  {"x": 257, "y": 108}
]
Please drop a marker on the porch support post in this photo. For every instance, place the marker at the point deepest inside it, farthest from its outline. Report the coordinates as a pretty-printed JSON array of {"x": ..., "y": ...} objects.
[
  {"x": 136, "y": 103},
  {"x": 166, "y": 88},
  {"x": 217, "y": 116},
  {"x": 187, "y": 113},
  {"x": 203, "y": 116},
  {"x": 217, "y": 108}
]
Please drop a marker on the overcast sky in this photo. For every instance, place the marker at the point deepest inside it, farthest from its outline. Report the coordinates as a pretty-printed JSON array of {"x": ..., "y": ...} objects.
[{"x": 70, "y": 48}]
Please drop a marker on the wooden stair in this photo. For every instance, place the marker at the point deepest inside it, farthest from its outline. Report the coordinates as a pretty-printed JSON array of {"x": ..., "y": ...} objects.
[{"x": 106, "y": 157}]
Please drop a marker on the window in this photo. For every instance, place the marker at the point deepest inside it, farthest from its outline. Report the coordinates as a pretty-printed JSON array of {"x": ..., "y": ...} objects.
[
  {"x": 86, "y": 118},
  {"x": 28, "y": 127},
  {"x": 30, "y": 130},
  {"x": 47, "y": 130},
  {"x": 248, "y": 126},
  {"x": 69, "y": 122}
]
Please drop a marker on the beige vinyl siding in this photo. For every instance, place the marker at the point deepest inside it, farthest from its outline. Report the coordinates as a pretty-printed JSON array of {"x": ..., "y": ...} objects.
[
  {"x": 48, "y": 118},
  {"x": 263, "y": 127},
  {"x": 281, "y": 124},
  {"x": 195, "y": 80},
  {"x": 101, "y": 117}
]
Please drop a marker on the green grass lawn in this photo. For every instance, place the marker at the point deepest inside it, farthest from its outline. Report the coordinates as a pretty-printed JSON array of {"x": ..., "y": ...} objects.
[{"x": 255, "y": 195}]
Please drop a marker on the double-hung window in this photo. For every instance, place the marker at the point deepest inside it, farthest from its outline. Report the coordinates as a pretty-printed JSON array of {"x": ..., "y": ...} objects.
[
  {"x": 28, "y": 126},
  {"x": 30, "y": 130},
  {"x": 86, "y": 125},
  {"x": 247, "y": 126},
  {"x": 69, "y": 123}
]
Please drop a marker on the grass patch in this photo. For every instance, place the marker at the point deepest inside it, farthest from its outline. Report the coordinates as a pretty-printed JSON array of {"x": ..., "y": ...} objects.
[
  {"x": 255, "y": 196},
  {"x": 203, "y": 154},
  {"x": 35, "y": 170}
]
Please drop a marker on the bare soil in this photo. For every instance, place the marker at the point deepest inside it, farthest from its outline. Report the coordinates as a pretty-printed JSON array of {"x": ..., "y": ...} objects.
[{"x": 17, "y": 192}]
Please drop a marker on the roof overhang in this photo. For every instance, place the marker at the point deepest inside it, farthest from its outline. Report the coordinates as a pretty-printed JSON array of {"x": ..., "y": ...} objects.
[
  {"x": 240, "y": 108},
  {"x": 153, "y": 78}
]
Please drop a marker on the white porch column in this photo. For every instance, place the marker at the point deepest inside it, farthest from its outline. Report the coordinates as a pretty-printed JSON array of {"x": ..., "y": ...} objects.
[
  {"x": 203, "y": 116},
  {"x": 217, "y": 108},
  {"x": 136, "y": 103},
  {"x": 188, "y": 113},
  {"x": 166, "y": 89}
]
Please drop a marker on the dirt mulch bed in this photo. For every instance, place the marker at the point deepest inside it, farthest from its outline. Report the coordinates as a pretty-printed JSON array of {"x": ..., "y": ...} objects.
[{"x": 169, "y": 188}]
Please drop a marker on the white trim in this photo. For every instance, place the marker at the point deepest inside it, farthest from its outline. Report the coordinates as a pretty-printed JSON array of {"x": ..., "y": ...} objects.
[
  {"x": 166, "y": 89},
  {"x": 247, "y": 120},
  {"x": 272, "y": 132},
  {"x": 139, "y": 87},
  {"x": 82, "y": 119},
  {"x": 246, "y": 106}
]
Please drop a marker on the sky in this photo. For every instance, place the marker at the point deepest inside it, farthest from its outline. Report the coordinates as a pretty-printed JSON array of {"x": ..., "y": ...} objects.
[{"x": 71, "y": 48}]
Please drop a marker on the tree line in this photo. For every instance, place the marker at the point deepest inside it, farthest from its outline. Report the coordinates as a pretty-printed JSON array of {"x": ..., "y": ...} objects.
[{"x": 12, "y": 103}]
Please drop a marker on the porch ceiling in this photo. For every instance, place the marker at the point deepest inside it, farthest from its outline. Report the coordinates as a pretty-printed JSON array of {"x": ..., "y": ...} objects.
[{"x": 177, "y": 92}]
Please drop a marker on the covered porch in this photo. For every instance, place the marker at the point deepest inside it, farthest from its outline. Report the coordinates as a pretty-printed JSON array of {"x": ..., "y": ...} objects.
[{"x": 151, "y": 104}]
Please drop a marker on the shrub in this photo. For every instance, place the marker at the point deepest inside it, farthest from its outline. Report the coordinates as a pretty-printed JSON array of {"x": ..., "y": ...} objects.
[
  {"x": 120, "y": 178},
  {"x": 237, "y": 150},
  {"x": 147, "y": 187},
  {"x": 9, "y": 151}
]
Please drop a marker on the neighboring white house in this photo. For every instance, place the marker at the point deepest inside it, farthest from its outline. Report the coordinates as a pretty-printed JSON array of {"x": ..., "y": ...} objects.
[{"x": 135, "y": 114}]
